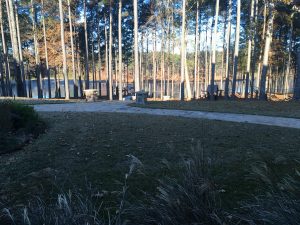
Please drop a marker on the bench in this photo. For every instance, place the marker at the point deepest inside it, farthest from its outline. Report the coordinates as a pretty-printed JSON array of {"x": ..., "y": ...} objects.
[{"x": 91, "y": 95}]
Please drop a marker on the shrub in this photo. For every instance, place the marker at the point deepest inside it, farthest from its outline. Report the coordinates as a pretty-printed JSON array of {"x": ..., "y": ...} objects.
[{"x": 18, "y": 124}]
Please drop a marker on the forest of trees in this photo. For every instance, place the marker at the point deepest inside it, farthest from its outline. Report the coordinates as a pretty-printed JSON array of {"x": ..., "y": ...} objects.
[{"x": 176, "y": 48}]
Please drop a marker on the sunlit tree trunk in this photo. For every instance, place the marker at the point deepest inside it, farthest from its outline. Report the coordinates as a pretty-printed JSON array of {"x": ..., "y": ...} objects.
[
  {"x": 154, "y": 63},
  {"x": 253, "y": 63},
  {"x": 228, "y": 48},
  {"x": 5, "y": 56},
  {"x": 21, "y": 63},
  {"x": 75, "y": 83},
  {"x": 269, "y": 33},
  {"x": 182, "y": 69},
  {"x": 196, "y": 50},
  {"x": 236, "y": 47},
  {"x": 214, "y": 43},
  {"x": 110, "y": 53},
  {"x": 162, "y": 64},
  {"x": 15, "y": 48},
  {"x": 249, "y": 56},
  {"x": 288, "y": 66},
  {"x": 136, "y": 48},
  {"x": 86, "y": 41},
  {"x": 46, "y": 49},
  {"x": 36, "y": 52},
  {"x": 120, "y": 52},
  {"x": 106, "y": 58},
  {"x": 99, "y": 58},
  {"x": 64, "y": 56}
]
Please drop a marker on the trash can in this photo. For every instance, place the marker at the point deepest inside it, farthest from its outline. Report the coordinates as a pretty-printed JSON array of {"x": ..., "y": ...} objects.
[{"x": 141, "y": 97}]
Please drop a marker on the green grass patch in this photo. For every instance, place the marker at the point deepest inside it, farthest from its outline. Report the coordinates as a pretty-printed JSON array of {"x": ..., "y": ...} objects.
[
  {"x": 80, "y": 149},
  {"x": 266, "y": 108}
]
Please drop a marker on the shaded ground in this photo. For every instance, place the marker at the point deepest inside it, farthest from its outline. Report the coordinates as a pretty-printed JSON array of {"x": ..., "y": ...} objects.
[
  {"x": 270, "y": 108},
  {"x": 82, "y": 148}
]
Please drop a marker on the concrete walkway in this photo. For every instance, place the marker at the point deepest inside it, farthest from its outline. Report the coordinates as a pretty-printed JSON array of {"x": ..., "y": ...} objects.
[{"x": 122, "y": 107}]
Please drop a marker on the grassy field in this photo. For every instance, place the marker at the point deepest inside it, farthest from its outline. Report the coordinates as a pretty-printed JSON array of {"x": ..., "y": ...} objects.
[
  {"x": 270, "y": 108},
  {"x": 92, "y": 148}
]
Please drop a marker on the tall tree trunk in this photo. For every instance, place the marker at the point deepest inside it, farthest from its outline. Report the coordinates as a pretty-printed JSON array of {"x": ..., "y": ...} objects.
[
  {"x": 196, "y": 50},
  {"x": 269, "y": 34},
  {"x": 182, "y": 69},
  {"x": 214, "y": 43},
  {"x": 254, "y": 48},
  {"x": 15, "y": 48},
  {"x": 36, "y": 53},
  {"x": 5, "y": 56},
  {"x": 62, "y": 34},
  {"x": 106, "y": 58},
  {"x": 136, "y": 48},
  {"x": 236, "y": 47},
  {"x": 86, "y": 41},
  {"x": 288, "y": 66},
  {"x": 75, "y": 83},
  {"x": 120, "y": 52},
  {"x": 297, "y": 80},
  {"x": 21, "y": 63},
  {"x": 162, "y": 64},
  {"x": 46, "y": 49},
  {"x": 249, "y": 57},
  {"x": 154, "y": 63},
  {"x": 228, "y": 48},
  {"x": 99, "y": 58},
  {"x": 261, "y": 50},
  {"x": 110, "y": 53}
]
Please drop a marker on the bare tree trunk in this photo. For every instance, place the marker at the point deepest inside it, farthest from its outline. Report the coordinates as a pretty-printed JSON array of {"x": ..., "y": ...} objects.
[
  {"x": 21, "y": 63},
  {"x": 213, "y": 64},
  {"x": 110, "y": 53},
  {"x": 250, "y": 40},
  {"x": 297, "y": 80},
  {"x": 136, "y": 48},
  {"x": 196, "y": 50},
  {"x": 263, "y": 38},
  {"x": 86, "y": 41},
  {"x": 206, "y": 71},
  {"x": 288, "y": 66},
  {"x": 254, "y": 48},
  {"x": 182, "y": 69},
  {"x": 99, "y": 58},
  {"x": 46, "y": 49},
  {"x": 120, "y": 52},
  {"x": 75, "y": 83},
  {"x": 269, "y": 33},
  {"x": 106, "y": 59},
  {"x": 236, "y": 47},
  {"x": 36, "y": 53},
  {"x": 62, "y": 33},
  {"x": 162, "y": 64},
  {"x": 154, "y": 63},
  {"x": 5, "y": 56}
]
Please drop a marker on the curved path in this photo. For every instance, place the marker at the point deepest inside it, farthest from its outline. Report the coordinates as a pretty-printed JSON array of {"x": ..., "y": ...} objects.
[{"x": 122, "y": 107}]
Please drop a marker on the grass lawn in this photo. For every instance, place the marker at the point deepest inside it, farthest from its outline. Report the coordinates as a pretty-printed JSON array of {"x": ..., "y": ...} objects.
[
  {"x": 82, "y": 148},
  {"x": 270, "y": 108}
]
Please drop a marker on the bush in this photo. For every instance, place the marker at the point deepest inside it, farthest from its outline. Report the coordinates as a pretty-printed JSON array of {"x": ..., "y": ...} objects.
[{"x": 18, "y": 124}]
